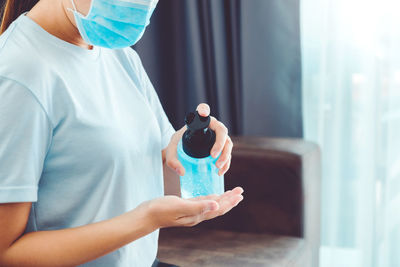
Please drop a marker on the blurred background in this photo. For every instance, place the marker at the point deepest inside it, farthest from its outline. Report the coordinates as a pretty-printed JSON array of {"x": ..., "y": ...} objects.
[
  {"x": 324, "y": 70},
  {"x": 241, "y": 57},
  {"x": 351, "y": 100}
]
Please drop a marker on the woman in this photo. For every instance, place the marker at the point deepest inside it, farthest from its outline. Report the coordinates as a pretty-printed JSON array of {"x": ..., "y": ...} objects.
[{"x": 83, "y": 139}]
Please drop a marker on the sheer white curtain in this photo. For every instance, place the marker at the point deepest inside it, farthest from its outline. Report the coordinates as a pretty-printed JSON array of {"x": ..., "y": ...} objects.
[{"x": 351, "y": 92}]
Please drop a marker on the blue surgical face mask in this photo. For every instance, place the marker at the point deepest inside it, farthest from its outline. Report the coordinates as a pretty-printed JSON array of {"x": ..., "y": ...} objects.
[{"x": 114, "y": 23}]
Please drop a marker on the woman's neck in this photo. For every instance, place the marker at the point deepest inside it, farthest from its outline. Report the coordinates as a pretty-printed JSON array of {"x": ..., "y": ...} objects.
[{"x": 55, "y": 18}]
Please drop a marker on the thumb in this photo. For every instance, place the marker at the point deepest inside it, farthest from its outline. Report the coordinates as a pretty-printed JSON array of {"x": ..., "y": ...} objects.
[
  {"x": 172, "y": 155},
  {"x": 200, "y": 206},
  {"x": 175, "y": 165}
]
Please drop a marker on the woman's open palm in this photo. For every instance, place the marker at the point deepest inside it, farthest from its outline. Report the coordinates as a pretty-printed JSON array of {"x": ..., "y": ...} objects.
[{"x": 172, "y": 211}]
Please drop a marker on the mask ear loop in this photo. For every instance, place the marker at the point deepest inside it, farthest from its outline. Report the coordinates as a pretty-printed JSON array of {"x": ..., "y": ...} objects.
[
  {"x": 75, "y": 11},
  {"x": 73, "y": 6}
]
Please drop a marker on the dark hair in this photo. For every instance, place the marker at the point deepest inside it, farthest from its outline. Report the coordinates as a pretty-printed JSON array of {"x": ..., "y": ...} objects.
[{"x": 12, "y": 9}]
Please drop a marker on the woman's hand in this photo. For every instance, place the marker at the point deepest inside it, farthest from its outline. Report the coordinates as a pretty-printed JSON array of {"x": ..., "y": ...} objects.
[
  {"x": 223, "y": 145},
  {"x": 170, "y": 211}
]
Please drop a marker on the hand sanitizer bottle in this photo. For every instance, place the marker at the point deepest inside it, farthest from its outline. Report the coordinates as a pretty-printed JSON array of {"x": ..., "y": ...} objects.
[{"x": 201, "y": 174}]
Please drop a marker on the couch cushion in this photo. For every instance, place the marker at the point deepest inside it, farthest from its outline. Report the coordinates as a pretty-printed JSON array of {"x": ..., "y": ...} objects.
[{"x": 203, "y": 247}]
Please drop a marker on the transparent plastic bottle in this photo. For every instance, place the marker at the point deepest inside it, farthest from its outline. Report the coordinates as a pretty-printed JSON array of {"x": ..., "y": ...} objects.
[{"x": 201, "y": 174}]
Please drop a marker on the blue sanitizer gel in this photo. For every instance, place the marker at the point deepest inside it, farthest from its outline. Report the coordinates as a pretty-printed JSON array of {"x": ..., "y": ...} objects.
[{"x": 201, "y": 174}]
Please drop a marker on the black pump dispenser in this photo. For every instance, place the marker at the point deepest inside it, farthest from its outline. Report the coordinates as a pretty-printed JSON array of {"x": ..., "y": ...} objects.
[{"x": 198, "y": 139}]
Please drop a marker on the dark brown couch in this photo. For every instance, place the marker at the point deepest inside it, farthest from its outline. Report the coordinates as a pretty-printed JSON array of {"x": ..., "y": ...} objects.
[{"x": 277, "y": 223}]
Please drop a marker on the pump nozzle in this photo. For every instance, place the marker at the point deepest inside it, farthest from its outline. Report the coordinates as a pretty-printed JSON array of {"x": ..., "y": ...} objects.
[
  {"x": 196, "y": 122},
  {"x": 198, "y": 139}
]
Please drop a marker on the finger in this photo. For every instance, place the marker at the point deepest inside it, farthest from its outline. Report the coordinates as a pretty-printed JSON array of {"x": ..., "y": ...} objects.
[
  {"x": 194, "y": 208},
  {"x": 235, "y": 197},
  {"x": 226, "y": 195},
  {"x": 226, "y": 204},
  {"x": 189, "y": 220},
  {"x": 173, "y": 163},
  {"x": 203, "y": 109},
  {"x": 209, "y": 197},
  {"x": 225, "y": 168},
  {"x": 178, "y": 135},
  {"x": 221, "y": 133},
  {"x": 172, "y": 155},
  {"x": 238, "y": 190},
  {"x": 229, "y": 195},
  {"x": 199, "y": 214},
  {"x": 226, "y": 153},
  {"x": 235, "y": 191}
]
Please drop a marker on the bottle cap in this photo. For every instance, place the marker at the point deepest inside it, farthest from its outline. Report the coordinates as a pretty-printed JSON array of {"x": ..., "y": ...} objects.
[{"x": 198, "y": 139}]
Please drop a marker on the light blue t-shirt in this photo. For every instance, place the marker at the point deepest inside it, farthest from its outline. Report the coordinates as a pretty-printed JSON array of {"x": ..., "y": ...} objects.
[{"x": 81, "y": 134}]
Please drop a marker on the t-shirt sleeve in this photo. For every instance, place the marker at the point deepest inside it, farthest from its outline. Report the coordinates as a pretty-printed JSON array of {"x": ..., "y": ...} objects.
[
  {"x": 25, "y": 136},
  {"x": 167, "y": 130}
]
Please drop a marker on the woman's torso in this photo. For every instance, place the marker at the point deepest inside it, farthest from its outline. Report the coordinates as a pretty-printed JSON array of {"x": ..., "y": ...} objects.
[{"x": 104, "y": 156}]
